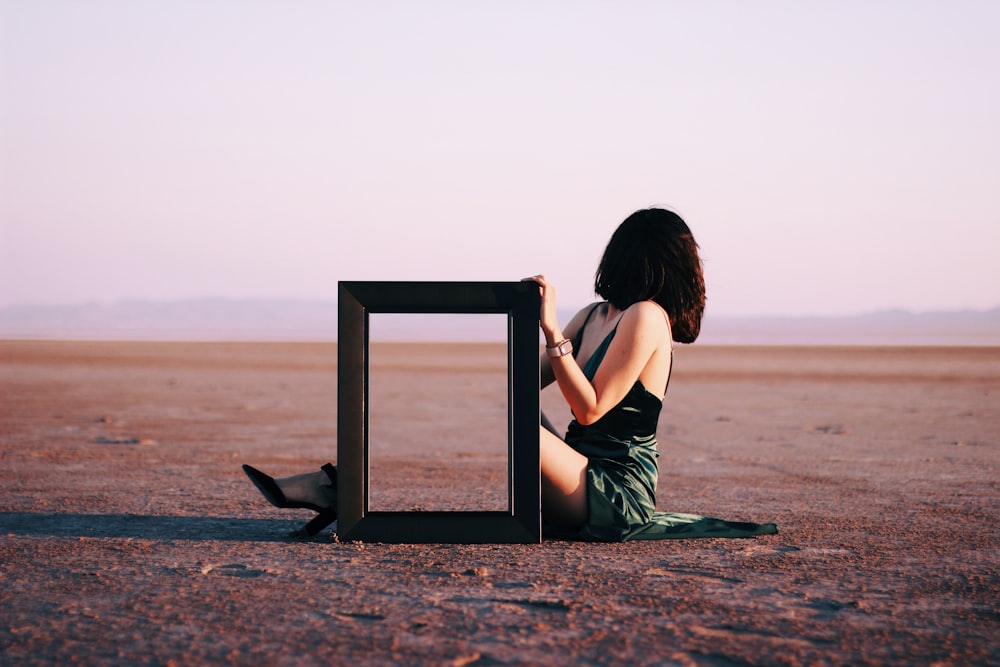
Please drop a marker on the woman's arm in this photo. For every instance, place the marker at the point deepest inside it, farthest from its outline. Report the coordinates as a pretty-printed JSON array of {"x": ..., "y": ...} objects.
[{"x": 641, "y": 331}]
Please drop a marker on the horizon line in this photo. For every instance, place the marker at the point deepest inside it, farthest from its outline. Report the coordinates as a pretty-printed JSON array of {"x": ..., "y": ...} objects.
[{"x": 97, "y": 304}]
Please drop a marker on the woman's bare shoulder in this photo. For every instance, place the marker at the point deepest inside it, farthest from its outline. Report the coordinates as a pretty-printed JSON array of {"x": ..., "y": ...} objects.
[{"x": 646, "y": 315}]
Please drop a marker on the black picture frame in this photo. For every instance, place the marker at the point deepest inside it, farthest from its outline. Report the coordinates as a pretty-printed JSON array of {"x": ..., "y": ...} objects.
[{"x": 521, "y": 523}]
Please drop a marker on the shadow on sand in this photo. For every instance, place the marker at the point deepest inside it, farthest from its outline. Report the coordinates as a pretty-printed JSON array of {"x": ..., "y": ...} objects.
[{"x": 144, "y": 527}]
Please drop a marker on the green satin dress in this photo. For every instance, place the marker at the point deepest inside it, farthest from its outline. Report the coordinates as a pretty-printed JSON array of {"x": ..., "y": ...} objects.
[{"x": 622, "y": 471}]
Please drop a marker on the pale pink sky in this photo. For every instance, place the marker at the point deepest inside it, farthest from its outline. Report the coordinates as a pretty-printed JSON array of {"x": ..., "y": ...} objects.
[{"x": 831, "y": 157}]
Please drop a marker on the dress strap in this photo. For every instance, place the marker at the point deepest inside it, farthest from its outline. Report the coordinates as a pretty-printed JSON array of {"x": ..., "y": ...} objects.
[{"x": 579, "y": 334}]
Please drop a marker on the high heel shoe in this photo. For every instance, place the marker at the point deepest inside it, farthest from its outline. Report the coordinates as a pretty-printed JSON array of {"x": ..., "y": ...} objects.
[{"x": 274, "y": 495}]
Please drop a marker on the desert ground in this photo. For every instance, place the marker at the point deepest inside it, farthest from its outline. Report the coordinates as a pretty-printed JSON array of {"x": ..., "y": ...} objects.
[{"x": 130, "y": 536}]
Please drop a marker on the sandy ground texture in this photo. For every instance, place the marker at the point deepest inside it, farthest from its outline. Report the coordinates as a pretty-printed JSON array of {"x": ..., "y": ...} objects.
[{"x": 129, "y": 535}]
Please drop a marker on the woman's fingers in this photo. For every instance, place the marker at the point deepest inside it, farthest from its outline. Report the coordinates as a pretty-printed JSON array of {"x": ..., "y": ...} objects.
[{"x": 547, "y": 316}]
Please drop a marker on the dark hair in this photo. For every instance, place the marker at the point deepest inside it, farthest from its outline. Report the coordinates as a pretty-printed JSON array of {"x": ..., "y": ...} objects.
[{"x": 653, "y": 256}]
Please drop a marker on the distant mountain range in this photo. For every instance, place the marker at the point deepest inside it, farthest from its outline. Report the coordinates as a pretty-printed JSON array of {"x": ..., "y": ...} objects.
[
  {"x": 291, "y": 320},
  {"x": 890, "y": 327}
]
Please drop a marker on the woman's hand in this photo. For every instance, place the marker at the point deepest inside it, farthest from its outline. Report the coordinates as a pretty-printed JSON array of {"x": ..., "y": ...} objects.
[{"x": 547, "y": 317}]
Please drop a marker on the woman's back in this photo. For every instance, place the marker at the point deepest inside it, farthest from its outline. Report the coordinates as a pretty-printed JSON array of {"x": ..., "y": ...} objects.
[{"x": 632, "y": 422}]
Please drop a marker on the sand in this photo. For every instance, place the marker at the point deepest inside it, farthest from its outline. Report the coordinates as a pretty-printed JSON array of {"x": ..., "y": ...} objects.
[{"x": 129, "y": 535}]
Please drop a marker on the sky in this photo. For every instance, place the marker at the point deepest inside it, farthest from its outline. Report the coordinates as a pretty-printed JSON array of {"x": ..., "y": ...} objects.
[{"x": 832, "y": 158}]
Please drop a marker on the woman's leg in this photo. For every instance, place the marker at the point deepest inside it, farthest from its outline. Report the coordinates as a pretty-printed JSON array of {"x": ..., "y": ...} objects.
[
  {"x": 563, "y": 472},
  {"x": 564, "y": 481}
]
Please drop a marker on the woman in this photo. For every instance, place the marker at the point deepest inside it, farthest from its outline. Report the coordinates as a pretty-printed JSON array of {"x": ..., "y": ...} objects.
[{"x": 612, "y": 364}]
